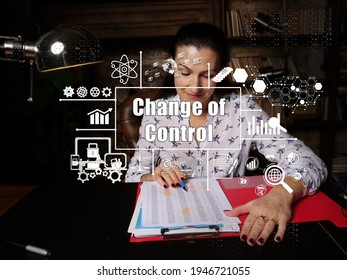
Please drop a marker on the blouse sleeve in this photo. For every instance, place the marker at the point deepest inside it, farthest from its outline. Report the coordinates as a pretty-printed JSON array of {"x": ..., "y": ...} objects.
[
  {"x": 307, "y": 165},
  {"x": 145, "y": 152}
]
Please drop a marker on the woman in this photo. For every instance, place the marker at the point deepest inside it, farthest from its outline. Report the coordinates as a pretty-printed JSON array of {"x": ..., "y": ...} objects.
[{"x": 199, "y": 53}]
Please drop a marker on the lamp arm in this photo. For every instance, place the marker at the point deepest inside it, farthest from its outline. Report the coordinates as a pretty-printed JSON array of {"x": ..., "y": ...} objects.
[
  {"x": 31, "y": 80},
  {"x": 15, "y": 49}
]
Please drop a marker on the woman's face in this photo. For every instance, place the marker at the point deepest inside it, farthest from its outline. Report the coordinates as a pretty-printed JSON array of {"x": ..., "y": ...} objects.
[{"x": 193, "y": 80}]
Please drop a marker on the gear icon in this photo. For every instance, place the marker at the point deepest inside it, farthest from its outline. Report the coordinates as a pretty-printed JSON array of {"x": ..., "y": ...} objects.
[
  {"x": 68, "y": 91},
  {"x": 83, "y": 176},
  {"x": 82, "y": 92},
  {"x": 92, "y": 175},
  {"x": 94, "y": 91},
  {"x": 98, "y": 171},
  {"x": 106, "y": 92},
  {"x": 111, "y": 177},
  {"x": 105, "y": 173}
]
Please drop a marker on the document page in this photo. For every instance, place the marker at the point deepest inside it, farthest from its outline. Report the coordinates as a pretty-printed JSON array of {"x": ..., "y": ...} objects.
[{"x": 174, "y": 207}]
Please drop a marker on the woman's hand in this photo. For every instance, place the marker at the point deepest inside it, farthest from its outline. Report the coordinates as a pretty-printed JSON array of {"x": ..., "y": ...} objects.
[
  {"x": 267, "y": 213},
  {"x": 165, "y": 176}
]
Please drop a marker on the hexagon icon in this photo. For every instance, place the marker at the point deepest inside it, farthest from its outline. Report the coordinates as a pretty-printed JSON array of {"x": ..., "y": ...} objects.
[
  {"x": 318, "y": 86},
  {"x": 275, "y": 96},
  {"x": 311, "y": 81},
  {"x": 259, "y": 86},
  {"x": 240, "y": 75},
  {"x": 303, "y": 85}
]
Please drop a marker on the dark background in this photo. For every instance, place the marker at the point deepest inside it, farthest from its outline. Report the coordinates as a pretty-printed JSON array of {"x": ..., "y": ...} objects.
[{"x": 37, "y": 138}]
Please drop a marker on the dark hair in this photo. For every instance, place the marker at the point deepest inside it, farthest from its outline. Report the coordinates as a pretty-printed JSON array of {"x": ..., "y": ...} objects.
[
  {"x": 202, "y": 34},
  {"x": 199, "y": 34}
]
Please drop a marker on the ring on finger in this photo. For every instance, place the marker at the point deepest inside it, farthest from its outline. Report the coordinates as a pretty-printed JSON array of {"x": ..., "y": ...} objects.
[{"x": 266, "y": 219}]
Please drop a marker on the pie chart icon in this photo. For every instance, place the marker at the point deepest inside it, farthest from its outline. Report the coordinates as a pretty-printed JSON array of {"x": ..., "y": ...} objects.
[{"x": 293, "y": 157}]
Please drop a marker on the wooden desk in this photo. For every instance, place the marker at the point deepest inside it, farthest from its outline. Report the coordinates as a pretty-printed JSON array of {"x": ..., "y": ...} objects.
[
  {"x": 11, "y": 194},
  {"x": 90, "y": 221}
]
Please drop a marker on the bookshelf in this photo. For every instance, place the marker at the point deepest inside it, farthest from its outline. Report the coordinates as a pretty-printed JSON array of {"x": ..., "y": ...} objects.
[
  {"x": 303, "y": 39},
  {"x": 338, "y": 106}
]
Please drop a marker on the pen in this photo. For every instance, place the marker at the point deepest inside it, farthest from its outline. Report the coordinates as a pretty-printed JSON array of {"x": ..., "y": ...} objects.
[
  {"x": 236, "y": 161},
  {"x": 30, "y": 248},
  {"x": 183, "y": 186}
]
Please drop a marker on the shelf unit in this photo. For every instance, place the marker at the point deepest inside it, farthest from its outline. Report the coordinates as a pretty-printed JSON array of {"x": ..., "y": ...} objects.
[
  {"x": 300, "y": 37},
  {"x": 338, "y": 119},
  {"x": 162, "y": 19}
]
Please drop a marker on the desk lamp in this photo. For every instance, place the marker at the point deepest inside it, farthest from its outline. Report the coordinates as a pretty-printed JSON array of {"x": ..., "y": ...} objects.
[{"x": 64, "y": 47}]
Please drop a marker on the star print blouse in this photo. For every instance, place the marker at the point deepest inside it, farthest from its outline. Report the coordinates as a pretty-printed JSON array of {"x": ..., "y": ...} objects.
[{"x": 243, "y": 127}]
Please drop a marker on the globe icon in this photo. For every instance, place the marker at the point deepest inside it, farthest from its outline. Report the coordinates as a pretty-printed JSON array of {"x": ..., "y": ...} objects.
[{"x": 274, "y": 174}]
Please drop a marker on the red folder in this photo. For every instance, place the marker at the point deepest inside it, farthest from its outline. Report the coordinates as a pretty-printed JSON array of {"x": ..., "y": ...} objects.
[{"x": 316, "y": 207}]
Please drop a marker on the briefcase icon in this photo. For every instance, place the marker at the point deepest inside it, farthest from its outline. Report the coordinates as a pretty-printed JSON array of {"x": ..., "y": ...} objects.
[{"x": 92, "y": 150}]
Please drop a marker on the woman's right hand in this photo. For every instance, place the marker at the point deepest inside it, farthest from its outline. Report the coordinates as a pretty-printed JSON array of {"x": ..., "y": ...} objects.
[{"x": 166, "y": 177}]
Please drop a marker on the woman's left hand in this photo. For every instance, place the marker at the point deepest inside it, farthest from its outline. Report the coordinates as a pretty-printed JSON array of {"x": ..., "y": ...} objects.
[{"x": 265, "y": 214}]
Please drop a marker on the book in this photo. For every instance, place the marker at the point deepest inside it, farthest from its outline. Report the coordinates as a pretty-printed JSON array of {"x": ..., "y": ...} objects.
[
  {"x": 339, "y": 163},
  {"x": 268, "y": 65},
  {"x": 342, "y": 62},
  {"x": 341, "y": 108},
  {"x": 234, "y": 24}
]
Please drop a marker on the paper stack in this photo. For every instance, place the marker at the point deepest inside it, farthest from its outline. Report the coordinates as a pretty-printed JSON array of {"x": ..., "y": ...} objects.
[{"x": 173, "y": 212}]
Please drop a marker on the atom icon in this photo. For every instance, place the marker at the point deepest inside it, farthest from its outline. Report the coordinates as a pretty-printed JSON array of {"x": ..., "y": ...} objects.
[{"x": 124, "y": 68}]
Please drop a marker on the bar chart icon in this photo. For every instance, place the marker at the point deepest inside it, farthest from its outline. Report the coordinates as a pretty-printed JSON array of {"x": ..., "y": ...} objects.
[
  {"x": 252, "y": 163},
  {"x": 264, "y": 128},
  {"x": 98, "y": 117}
]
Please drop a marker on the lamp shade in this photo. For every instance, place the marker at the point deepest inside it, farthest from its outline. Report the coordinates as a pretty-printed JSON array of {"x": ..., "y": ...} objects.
[{"x": 67, "y": 46}]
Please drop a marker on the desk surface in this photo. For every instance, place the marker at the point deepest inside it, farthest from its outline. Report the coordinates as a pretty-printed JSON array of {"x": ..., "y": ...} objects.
[
  {"x": 11, "y": 194},
  {"x": 90, "y": 221}
]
